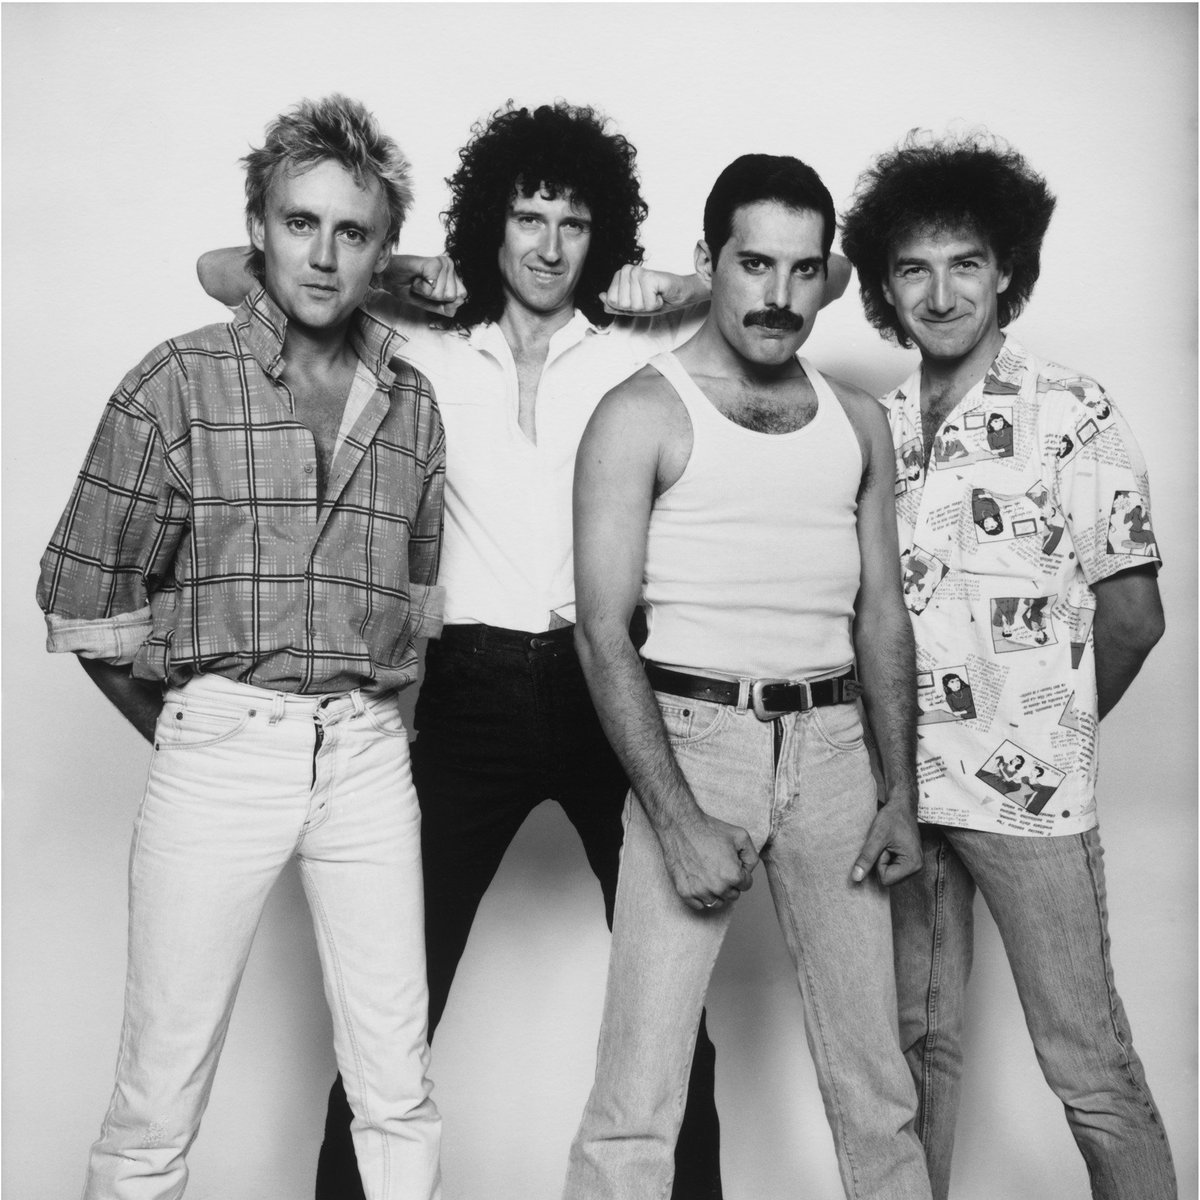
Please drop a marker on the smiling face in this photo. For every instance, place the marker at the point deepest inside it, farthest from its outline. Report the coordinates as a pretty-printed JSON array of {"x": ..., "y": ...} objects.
[
  {"x": 943, "y": 286},
  {"x": 545, "y": 246},
  {"x": 323, "y": 237},
  {"x": 768, "y": 281}
]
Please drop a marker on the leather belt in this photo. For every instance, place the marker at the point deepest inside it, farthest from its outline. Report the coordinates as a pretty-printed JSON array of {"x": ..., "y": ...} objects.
[{"x": 768, "y": 698}]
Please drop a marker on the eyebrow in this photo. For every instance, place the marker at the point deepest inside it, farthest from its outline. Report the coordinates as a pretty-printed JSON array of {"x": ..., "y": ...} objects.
[
  {"x": 815, "y": 260},
  {"x": 913, "y": 260}
]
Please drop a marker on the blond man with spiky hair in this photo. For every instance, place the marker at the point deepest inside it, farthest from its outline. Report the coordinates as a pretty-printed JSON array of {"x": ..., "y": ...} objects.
[{"x": 243, "y": 568}]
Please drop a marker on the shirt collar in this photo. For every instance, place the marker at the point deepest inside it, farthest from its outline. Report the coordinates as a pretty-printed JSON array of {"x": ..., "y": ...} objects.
[
  {"x": 1007, "y": 376},
  {"x": 488, "y": 334},
  {"x": 263, "y": 325}
]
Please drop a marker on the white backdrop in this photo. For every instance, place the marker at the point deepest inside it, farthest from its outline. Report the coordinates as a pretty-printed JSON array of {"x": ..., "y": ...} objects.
[{"x": 121, "y": 128}]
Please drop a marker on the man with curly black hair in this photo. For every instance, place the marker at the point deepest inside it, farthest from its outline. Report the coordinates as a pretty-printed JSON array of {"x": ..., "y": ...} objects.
[
  {"x": 946, "y": 236},
  {"x": 544, "y": 218}
]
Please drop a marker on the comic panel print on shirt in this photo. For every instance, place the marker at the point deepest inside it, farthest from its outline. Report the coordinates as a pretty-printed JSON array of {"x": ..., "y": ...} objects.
[
  {"x": 1129, "y": 529},
  {"x": 1022, "y": 623},
  {"x": 1020, "y": 778},
  {"x": 944, "y": 694},
  {"x": 921, "y": 572}
]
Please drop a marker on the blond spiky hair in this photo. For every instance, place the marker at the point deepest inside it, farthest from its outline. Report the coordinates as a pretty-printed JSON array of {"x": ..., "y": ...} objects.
[{"x": 336, "y": 128}]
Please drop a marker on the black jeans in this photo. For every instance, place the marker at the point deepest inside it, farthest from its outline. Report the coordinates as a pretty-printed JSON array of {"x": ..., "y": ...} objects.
[{"x": 505, "y": 721}]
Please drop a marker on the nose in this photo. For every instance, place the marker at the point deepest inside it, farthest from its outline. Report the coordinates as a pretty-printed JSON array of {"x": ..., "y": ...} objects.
[
  {"x": 940, "y": 297},
  {"x": 778, "y": 290},
  {"x": 550, "y": 247},
  {"x": 322, "y": 251}
]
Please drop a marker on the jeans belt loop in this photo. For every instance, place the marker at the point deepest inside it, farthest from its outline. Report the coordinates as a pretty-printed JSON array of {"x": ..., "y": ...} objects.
[
  {"x": 278, "y": 707},
  {"x": 360, "y": 706},
  {"x": 745, "y": 689}
]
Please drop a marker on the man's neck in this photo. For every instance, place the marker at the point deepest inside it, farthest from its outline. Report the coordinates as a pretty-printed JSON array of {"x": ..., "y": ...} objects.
[
  {"x": 710, "y": 355},
  {"x": 316, "y": 351},
  {"x": 944, "y": 382},
  {"x": 526, "y": 330}
]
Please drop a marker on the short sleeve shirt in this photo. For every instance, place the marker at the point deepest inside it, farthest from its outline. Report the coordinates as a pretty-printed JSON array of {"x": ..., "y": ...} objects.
[{"x": 1034, "y": 490}]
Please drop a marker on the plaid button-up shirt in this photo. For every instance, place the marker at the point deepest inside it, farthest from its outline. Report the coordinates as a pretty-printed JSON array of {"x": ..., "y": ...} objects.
[{"x": 195, "y": 539}]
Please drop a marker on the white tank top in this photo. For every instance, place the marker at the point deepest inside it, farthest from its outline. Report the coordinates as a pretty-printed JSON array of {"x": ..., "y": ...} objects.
[{"x": 752, "y": 562}]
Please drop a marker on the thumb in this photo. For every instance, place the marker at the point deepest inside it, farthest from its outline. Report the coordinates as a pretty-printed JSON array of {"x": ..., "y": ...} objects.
[{"x": 872, "y": 848}]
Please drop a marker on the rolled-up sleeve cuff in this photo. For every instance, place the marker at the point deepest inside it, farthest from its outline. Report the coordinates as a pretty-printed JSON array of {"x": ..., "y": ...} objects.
[
  {"x": 427, "y": 607},
  {"x": 114, "y": 640}
]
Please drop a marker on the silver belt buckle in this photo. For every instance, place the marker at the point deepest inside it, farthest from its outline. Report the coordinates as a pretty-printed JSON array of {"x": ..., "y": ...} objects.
[{"x": 768, "y": 714}]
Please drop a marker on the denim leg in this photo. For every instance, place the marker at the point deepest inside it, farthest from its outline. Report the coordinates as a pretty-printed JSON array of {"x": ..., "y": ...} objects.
[
  {"x": 662, "y": 956},
  {"x": 218, "y": 822},
  {"x": 933, "y": 933},
  {"x": 360, "y": 864},
  {"x": 1048, "y": 899},
  {"x": 591, "y": 788},
  {"x": 839, "y": 936}
]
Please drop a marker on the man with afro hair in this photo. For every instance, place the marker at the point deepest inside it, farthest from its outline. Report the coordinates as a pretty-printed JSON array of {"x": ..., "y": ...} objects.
[{"x": 946, "y": 237}]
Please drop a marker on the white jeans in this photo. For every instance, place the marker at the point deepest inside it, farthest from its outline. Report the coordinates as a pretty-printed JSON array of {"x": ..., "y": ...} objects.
[{"x": 243, "y": 779}]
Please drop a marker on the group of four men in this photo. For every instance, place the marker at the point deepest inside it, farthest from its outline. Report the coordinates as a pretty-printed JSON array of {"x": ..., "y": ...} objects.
[{"x": 258, "y": 529}]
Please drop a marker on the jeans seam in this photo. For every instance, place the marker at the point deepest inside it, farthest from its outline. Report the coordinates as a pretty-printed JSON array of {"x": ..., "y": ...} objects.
[
  {"x": 931, "y": 997},
  {"x": 1110, "y": 989}
]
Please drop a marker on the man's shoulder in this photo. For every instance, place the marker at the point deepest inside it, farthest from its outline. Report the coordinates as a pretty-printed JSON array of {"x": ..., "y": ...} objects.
[
  {"x": 176, "y": 358},
  {"x": 863, "y": 410},
  {"x": 646, "y": 389}
]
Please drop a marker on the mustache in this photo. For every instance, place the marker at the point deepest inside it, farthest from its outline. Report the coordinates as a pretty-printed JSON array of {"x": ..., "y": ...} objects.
[{"x": 774, "y": 318}]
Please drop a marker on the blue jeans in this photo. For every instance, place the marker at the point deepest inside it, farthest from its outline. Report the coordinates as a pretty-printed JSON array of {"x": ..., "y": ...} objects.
[
  {"x": 242, "y": 780},
  {"x": 505, "y": 723},
  {"x": 802, "y": 788},
  {"x": 1047, "y": 898}
]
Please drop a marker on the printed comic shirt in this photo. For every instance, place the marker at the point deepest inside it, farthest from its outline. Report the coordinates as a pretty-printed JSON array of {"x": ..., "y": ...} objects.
[
  {"x": 1035, "y": 489},
  {"x": 195, "y": 540}
]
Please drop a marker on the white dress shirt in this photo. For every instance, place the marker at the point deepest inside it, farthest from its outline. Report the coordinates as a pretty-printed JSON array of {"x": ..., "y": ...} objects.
[{"x": 507, "y": 547}]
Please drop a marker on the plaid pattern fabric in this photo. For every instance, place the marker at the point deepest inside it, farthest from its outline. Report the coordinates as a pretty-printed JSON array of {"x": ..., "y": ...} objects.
[{"x": 195, "y": 540}]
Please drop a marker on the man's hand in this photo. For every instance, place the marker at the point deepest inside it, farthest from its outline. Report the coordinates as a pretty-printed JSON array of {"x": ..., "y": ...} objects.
[
  {"x": 709, "y": 861},
  {"x": 638, "y": 291},
  {"x": 431, "y": 283},
  {"x": 892, "y": 845}
]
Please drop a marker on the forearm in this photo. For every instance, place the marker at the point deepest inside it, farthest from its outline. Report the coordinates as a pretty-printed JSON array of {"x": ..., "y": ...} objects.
[
  {"x": 1118, "y": 660},
  {"x": 887, "y": 670},
  {"x": 1128, "y": 624},
  {"x": 137, "y": 700},
  {"x": 629, "y": 715}
]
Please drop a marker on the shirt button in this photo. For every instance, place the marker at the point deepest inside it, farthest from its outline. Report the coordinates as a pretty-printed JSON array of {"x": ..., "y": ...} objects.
[{"x": 308, "y": 468}]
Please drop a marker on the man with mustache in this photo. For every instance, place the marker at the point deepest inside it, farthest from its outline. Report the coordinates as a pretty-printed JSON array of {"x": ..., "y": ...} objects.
[{"x": 746, "y": 500}]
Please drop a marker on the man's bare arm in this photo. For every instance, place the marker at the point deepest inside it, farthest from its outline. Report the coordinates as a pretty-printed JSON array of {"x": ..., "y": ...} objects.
[
  {"x": 709, "y": 861},
  {"x": 883, "y": 644},
  {"x": 137, "y": 700},
  {"x": 426, "y": 281},
  {"x": 1129, "y": 621}
]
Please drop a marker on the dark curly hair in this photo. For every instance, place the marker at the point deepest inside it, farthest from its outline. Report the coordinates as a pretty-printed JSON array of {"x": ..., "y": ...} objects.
[
  {"x": 558, "y": 148},
  {"x": 976, "y": 183}
]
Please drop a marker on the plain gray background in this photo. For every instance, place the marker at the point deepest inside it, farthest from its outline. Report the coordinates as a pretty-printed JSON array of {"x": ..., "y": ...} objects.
[{"x": 121, "y": 129}]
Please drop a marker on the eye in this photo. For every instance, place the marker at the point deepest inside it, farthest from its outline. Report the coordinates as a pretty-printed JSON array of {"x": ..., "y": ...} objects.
[
  {"x": 753, "y": 265},
  {"x": 808, "y": 270},
  {"x": 297, "y": 224},
  {"x": 968, "y": 264},
  {"x": 355, "y": 237},
  {"x": 525, "y": 220},
  {"x": 911, "y": 272}
]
